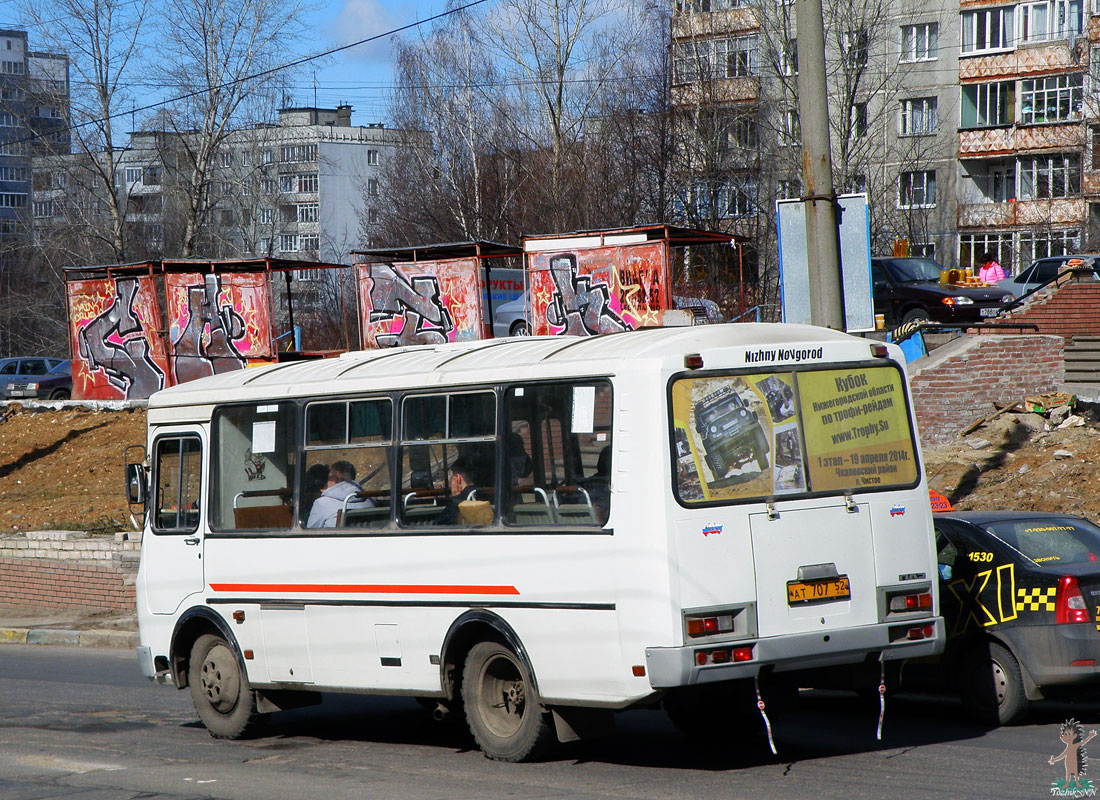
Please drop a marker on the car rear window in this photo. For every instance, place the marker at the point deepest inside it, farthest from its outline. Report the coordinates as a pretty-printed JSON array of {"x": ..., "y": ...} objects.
[{"x": 1051, "y": 541}]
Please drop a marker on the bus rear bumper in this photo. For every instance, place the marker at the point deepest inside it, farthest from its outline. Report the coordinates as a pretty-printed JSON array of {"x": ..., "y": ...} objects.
[{"x": 668, "y": 667}]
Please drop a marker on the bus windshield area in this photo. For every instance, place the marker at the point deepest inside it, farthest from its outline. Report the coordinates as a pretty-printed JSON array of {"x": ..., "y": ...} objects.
[
  {"x": 535, "y": 454},
  {"x": 750, "y": 436}
]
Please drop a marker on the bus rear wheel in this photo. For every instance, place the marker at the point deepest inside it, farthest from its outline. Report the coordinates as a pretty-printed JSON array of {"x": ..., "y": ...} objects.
[
  {"x": 502, "y": 708},
  {"x": 220, "y": 690}
]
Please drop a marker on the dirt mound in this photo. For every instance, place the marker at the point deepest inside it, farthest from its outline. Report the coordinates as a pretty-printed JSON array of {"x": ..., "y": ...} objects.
[{"x": 63, "y": 469}]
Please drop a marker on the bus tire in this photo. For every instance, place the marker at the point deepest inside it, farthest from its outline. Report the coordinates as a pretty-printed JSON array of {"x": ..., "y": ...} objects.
[
  {"x": 992, "y": 686},
  {"x": 502, "y": 708},
  {"x": 220, "y": 690}
]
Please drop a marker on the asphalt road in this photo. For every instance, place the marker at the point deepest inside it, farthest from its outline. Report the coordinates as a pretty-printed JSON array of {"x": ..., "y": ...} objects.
[{"x": 83, "y": 724}]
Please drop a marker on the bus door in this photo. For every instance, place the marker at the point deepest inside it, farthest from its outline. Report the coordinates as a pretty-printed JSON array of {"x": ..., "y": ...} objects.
[
  {"x": 172, "y": 555},
  {"x": 815, "y": 569}
]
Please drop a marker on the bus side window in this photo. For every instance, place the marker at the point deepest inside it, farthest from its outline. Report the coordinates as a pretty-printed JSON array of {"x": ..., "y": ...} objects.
[
  {"x": 565, "y": 430},
  {"x": 255, "y": 468},
  {"x": 178, "y": 467},
  {"x": 448, "y": 460}
]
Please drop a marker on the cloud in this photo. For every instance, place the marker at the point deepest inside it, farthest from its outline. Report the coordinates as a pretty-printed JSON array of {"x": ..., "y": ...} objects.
[{"x": 361, "y": 19}]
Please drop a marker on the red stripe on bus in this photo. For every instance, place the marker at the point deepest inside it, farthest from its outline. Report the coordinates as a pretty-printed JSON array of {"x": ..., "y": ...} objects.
[{"x": 362, "y": 588}]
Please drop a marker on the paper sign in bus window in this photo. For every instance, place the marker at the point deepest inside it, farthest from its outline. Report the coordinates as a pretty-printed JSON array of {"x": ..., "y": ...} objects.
[
  {"x": 584, "y": 409},
  {"x": 263, "y": 437}
]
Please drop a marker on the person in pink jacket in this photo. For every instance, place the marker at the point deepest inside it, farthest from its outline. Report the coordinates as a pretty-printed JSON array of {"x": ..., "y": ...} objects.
[{"x": 990, "y": 271}]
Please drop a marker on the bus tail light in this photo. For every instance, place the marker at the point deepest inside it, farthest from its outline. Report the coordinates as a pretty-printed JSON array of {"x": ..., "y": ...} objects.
[
  {"x": 1069, "y": 603},
  {"x": 911, "y": 602},
  {"x": 723, "y": 655},
  {"x": 921, "y": 633},
  {"x": 709, "y": 626}
]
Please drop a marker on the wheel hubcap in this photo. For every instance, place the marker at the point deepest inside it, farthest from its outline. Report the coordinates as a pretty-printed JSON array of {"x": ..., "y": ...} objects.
[
  {"x": 504, "y": 696},
  {"x": 220, "y": 679},
  {"x": 999, "y": 683}
]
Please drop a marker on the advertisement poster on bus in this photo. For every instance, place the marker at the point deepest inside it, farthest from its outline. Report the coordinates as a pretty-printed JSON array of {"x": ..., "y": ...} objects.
[
  {"x": 216, "y": 322},
  {"x": 118, "y": 352},
  {"x": 426, "y": 302},
  {"x": 585, "y": 292},
  {"x": 781, "y": 433}
]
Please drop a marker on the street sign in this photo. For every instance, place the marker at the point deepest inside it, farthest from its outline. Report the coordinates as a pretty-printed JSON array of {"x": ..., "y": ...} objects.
[{"x": 855, "y": 261}]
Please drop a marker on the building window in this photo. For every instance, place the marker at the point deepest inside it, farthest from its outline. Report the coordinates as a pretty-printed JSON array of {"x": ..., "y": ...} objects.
[
  {"x": 8, "y": 120},
  {"x": 998, "y": 184},
  {"x": 917, "y": 189},
  {"x": 226, "y": 159},
  {"x": 918, "y": 116},
  {"x": 307, "y": 212},
  {"x": 13, "y": 173},
  {"x": 788, "y": 59},
  {"x": 372, "y": 158},
  {"x": 919, "y": 42},
  {"x": 372, "y": 215},
  {"x": 372, "y": 187},
  {"x": 858, "y": 126},
  {"x": 988, "y": 29},
  {"x": 790, "y": 130},
  {"x": 737, "y": 198},
  {"x": 266, "y": 157},
  {"x": 855, "y": 46},
  {"x": 705, "y": 6},
  {"x": 856, "y": 183},
  {"x": 288, "y": 183},
  {"x": 246, "y": 161},
  {"x": 288, "y": 242},
  {"x": 309, "y": 242},
  {"x": 1049, "y": 176},
  {"x": 133, "y": 175},
  {"x": 711, "y": 59},
  {"x": 299, "y": 152},
  {"x": 922, "y": 250},
  {"x": 973, "y": 245},
  {"x": 1053, "y": 99},
  {"x": 11, "y": 67},
  {"x": 307, "y": 182},
  {"x": 988, "y": 105},
  {"x": 740, "y": 132},
  {"x": 1051, "y": 19},
  {"x": 150, "y": 176},
  {"x": 789, "y": 189},
  {"x": 13, "y": 148},
  {"x": 267, "y": 216},
  {"x": 269, "y": 186},
  {"x": 42, "y": 209},
  {"x": 1048, "y": 244},
  {"x": 13, "y": 200},
  {"x": 226, "y": 218}
]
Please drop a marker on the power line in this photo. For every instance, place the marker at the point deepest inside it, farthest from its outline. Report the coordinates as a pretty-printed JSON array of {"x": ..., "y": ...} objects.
[{"x": 254, "y": 76}]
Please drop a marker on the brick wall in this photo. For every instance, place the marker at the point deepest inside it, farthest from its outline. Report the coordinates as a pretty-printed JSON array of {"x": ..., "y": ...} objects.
[
  {"x": 67, "y": 569},
  {"x": 958, "y": 383},
  {"x": 1072, "y": 309}
]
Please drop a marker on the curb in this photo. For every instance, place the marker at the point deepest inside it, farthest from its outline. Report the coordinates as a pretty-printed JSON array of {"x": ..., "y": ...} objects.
[{"x": 121, "y": 640}]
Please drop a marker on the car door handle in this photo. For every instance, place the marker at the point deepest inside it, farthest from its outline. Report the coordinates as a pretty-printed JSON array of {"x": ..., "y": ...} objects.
[{"x": 191, "y": 540}]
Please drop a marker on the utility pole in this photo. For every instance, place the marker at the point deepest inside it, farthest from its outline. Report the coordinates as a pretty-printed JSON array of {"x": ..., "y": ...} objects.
[{"x": 826, "y": 290}]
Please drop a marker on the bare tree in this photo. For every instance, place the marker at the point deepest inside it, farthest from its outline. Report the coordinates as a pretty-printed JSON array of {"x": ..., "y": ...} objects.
[{"x": 219, "y": 56}]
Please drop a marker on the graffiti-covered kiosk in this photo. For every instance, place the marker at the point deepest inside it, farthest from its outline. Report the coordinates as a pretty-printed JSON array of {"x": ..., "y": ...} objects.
[{"x": 138, "y": 328}]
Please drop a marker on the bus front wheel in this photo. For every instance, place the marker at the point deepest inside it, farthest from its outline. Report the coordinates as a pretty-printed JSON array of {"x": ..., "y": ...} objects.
[
  {"x": 502, "y": 708},
  {"x": 220, "y": 690}
]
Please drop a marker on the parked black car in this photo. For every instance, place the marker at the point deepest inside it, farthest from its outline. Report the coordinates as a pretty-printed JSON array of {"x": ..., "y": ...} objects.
[
  {"x": 1020, "y": 597},
  {"x": 908, "y": 289},
  {"x": 25, "y": 370},
  {"x": 56, "y": 384}
]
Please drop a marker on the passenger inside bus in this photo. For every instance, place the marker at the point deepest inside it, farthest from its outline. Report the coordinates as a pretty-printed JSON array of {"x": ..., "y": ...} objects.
[
  {"x": 341, "y": 484},
  {"x": 462, "y": 484},
  {"x": 598, "y": 485}
]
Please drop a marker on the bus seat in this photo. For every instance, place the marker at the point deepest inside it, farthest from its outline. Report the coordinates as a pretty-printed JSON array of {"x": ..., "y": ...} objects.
[
  {"x": 576, "y": 514},
  {"x": 531, "y": 514},
  {"x": 366, "y": 517},
  {"x": 279, "y": 516}
]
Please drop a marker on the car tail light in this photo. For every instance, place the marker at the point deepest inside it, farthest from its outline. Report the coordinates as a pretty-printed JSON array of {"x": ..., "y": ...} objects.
[
  {"x": 1083, "y": 662},
  {"x": 1069, "y": 603}
]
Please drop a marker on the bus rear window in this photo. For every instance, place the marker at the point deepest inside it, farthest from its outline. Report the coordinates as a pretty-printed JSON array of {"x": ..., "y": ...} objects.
[{"x": 768, "y": 434}]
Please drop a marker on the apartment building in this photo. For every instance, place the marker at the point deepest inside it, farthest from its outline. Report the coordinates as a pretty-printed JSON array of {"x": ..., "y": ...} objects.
[
  {"x": 970, "y": 127},
  {"x": 34, "y": 111},
  {"x": 304, "y": 187}
]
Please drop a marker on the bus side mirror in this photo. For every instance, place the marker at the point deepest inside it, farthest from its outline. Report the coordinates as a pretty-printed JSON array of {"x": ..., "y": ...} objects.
[{"x": 136, "y": 490}]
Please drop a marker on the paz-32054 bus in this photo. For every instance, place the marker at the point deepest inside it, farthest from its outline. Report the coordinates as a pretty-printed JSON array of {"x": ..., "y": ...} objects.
[{"x": 536, "y": 532}]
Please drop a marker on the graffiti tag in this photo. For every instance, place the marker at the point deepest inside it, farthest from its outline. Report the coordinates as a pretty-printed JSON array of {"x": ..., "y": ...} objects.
[
  {"x": 205, "y": 346},
  {"x": 116, "y": 342},
  {"x": 417, "y": 302},
  {"x": 577, "y": 306}
]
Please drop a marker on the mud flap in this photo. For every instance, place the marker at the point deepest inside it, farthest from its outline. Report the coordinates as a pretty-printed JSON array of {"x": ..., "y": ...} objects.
[{"x": 571, "y": 723}]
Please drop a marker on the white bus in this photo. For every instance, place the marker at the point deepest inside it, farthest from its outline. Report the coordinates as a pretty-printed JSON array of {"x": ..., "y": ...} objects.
[{"x": 536, "y": 532}]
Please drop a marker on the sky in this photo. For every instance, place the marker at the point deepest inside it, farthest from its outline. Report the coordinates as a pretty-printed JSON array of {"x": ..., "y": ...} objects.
[{"x": 360, "y": 76}]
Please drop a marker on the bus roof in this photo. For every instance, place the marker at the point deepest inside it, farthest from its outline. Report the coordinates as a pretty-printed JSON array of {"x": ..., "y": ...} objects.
[{"x": 484, "y": 360}]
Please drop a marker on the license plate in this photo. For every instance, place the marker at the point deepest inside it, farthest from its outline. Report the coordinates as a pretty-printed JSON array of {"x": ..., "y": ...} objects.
[
  {"x": 800, "y": 593},
  {"x": 989, "y": 312}
]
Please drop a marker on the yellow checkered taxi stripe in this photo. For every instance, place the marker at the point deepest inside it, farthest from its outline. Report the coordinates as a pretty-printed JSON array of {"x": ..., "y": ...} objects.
[{"x": 1035, "y": 599}]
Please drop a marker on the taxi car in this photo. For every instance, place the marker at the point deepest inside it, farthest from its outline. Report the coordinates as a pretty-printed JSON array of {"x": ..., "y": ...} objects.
[{"x": 1020, "y": 596}]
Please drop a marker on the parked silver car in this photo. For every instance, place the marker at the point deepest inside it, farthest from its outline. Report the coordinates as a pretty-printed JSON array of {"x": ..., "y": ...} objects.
[
  {"x": 510, "y": 319},
  {"x": 1043, "y": 270}
]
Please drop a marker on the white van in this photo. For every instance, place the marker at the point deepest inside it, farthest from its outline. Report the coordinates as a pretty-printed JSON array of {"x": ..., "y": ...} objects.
[{"x": 536, "y": 532}]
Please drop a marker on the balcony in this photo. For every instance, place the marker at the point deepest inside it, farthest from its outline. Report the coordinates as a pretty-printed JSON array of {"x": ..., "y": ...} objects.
[
  {"x": 1022, "y": 62},
  {"x": 718, "y": 90},
  {"x": 1062, "y": 211},
  {"x": 715, "y": 23},
  {"x": 992, "y": 142}
]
